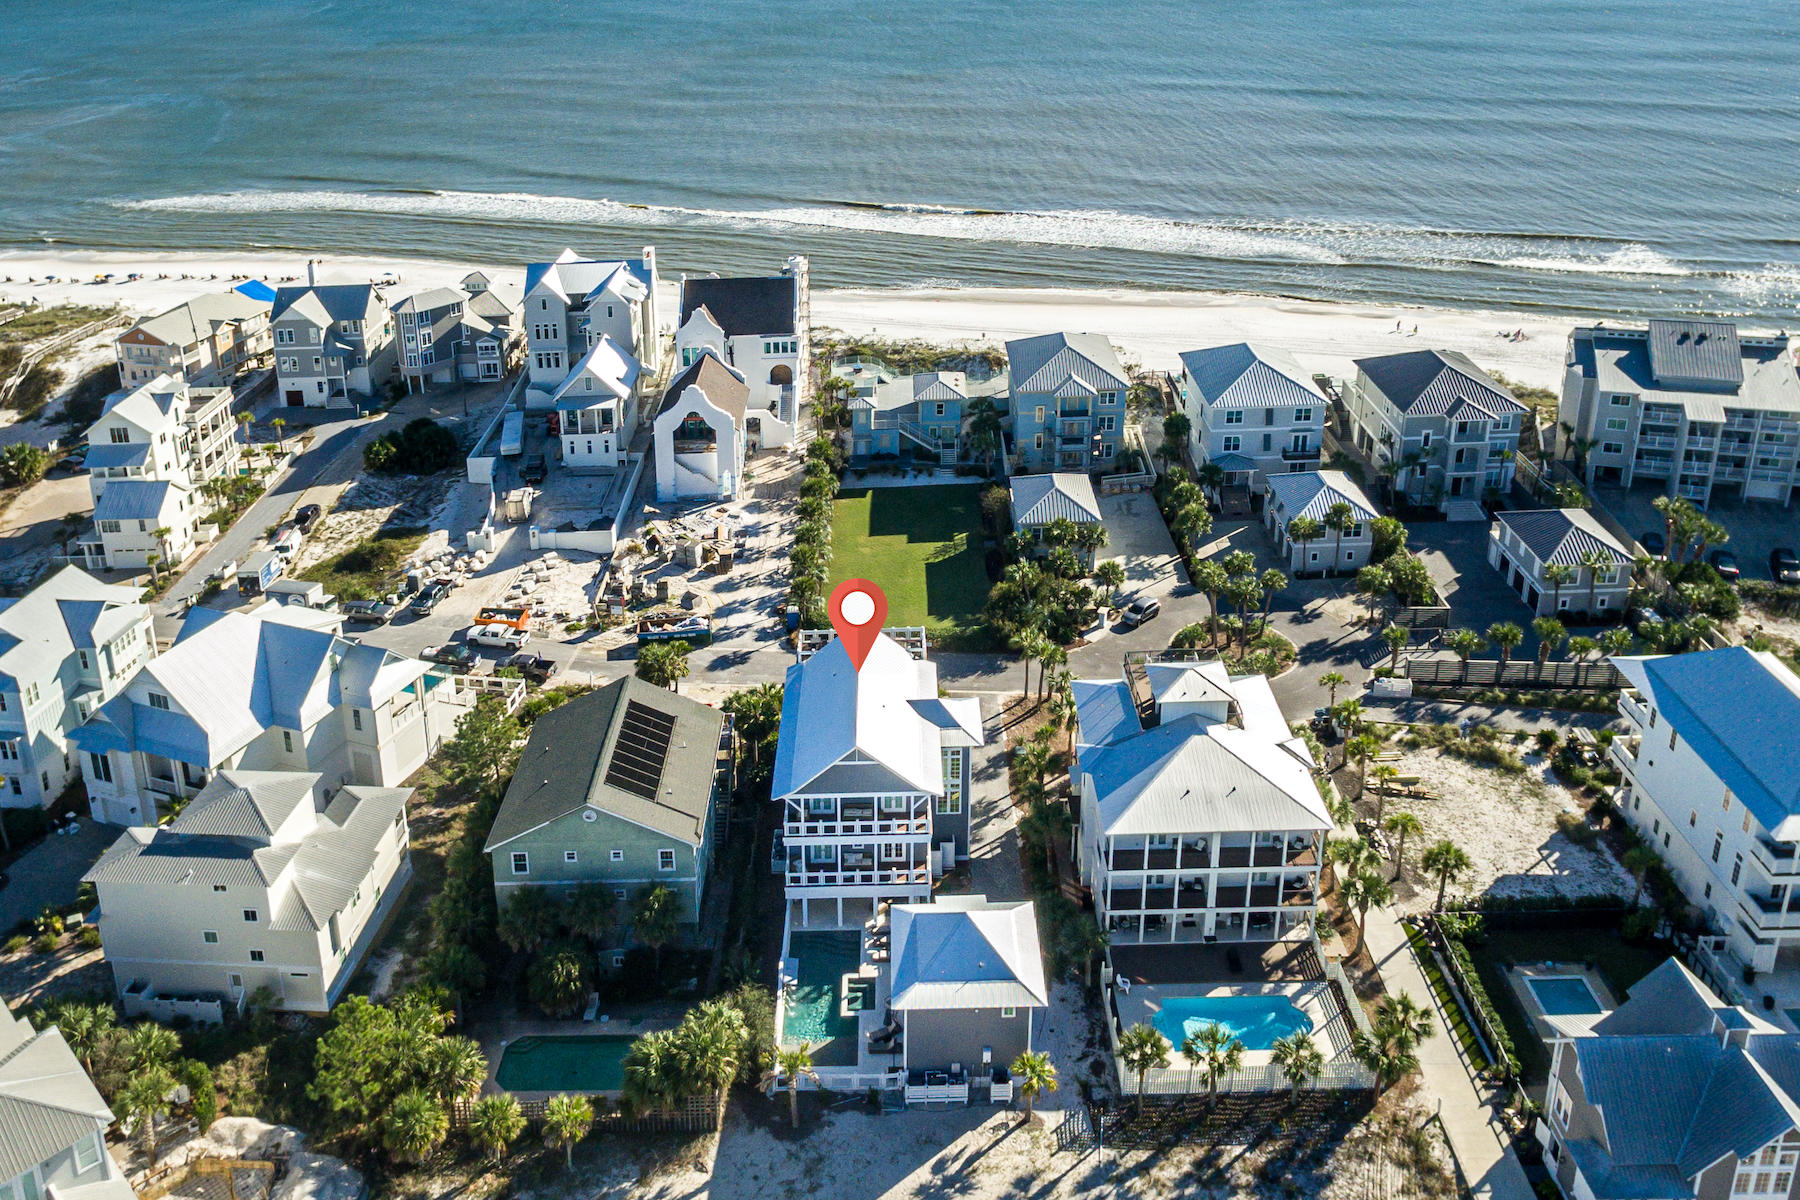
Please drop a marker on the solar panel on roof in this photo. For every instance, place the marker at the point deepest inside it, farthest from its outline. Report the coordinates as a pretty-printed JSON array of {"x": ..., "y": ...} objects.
[{"x": 641, "y": 750}]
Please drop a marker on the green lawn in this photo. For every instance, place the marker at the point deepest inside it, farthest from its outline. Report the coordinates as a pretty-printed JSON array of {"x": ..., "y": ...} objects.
[
  {"x": 1619, "y": 962},
  {"x": 922, "y": 545}
]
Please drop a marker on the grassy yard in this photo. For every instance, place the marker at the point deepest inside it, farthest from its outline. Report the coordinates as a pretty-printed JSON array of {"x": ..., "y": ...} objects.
[
  {"x": 1619, "y": 962},
  {"x": 922, "y": 545},
  {"x": 368, "y": 567}
]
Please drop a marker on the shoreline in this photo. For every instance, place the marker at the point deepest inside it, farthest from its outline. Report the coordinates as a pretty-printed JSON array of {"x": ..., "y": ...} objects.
[{"x": 1150, "y": 327}]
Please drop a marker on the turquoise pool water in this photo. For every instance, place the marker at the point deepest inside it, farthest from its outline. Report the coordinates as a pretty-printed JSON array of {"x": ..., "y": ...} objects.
[
  {"x": 812, "y": 1013},
  {"x": 1256, "y": 1021},
  {"x": 1563, "y": 995},
  {"x": 586, "y": 1063}
]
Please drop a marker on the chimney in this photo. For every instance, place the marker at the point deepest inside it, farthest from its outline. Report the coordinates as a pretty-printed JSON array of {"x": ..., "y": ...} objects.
[{"x": 309, "y": 272}]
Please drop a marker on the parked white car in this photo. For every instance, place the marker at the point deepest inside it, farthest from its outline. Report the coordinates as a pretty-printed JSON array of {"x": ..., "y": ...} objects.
[{"x": 503, "y": 636}]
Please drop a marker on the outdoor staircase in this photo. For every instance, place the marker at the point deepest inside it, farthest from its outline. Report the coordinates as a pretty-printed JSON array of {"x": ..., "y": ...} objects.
[{"x": 909, "y": 429}]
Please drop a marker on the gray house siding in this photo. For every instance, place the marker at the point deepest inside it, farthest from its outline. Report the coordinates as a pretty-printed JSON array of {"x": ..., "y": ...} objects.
[
  {"x": 594, "y": 843},
  {"x": 947, "y": 827},
  {"x": 935, "y": 1039}
]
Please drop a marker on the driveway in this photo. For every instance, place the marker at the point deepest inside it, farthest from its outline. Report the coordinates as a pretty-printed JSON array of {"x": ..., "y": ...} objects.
[
  {"x": 50, "y": 872},
  {"x": 1756, "y": 527},
  {"x": 1455, "y": 552},
  {"x": 1137, "y": 537}
]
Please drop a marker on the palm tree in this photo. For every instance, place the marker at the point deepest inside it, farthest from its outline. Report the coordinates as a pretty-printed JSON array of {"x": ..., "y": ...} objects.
[
  {"x": 456, "y": 1067},
  {"x": 1383, "y": 775},
  {"x": 1396, "y": 639},
  {"x": 1550, "y": 635},
  {"x": 1304, "y": 530},
  {"x": 1331, "y": 681},
  {"x": 592, "y": 911},
  {"x": 151, "y": 560},
  {"x": 1594, "y": 562},
  {"x": 1298, "y": 1057},
  {"x": 1217, "y": 1052},
  {"x": 1349, "y": 716},
  {"x": 1211, "y": 476},
  {"x": 1372, "y": 583},
  {"x": 1616, "y": 640},
  {"x": 146, "y": 1096},
  {"x": 654, "y": 918},
  {"x": 792, "y": 1065},
  {"x": 278, "y": 424},
  {"x": 1270, "y": 581},
  {"x": 567, "y": 1120},
  {"x": 1211, "y": 579},
  {"x": 1580, "y": 647},
  {"x": 1445, "y": 859},
  {"x": 653, "y": 1071},
  {"x": 1141, "y": 1048},
  {"x": 710, "y": 1045},
  {"x": 148, "y": 1045},
  {"x": 1032, "y": 1073},
  {"x": 1109, "y": 576},
  {"x": 985, "y": 439},
  {"x": 1361, "y": 892},
  {"x": 1176, "y": 427},
  {"x": 1390, "y": 1047},
  {"x": 86, "y": 1028},
  {"x": 1558, "y": 576},
  {"x": 496, "y": 1123},
  {"x": 1192, "y": 523},
  {"x": 1639, "y": 860},
  {"x": 161, "y": 534},
  {"x": 1361, "y": 749},
  {"x": 1031, "y": 644},
  {"x": 414, "y": 1125},
  {"x": 1339, "y": 518},
  {"x": 1402, "y": 825},
  {"x": 1503, "y": 636},
  {"x": 245, "y": 420},
  {"x": 664, "y": 664},
  {"x": 1465, "y": 642}
]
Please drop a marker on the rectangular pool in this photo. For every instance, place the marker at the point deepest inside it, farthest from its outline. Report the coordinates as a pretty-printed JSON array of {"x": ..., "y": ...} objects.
[
  {"x": 1564, "y": 995},
  {"x": 814, "y": 1011},
  {"x": 583, "y": 1063},
  {"x": 1256, "y": 1021}
]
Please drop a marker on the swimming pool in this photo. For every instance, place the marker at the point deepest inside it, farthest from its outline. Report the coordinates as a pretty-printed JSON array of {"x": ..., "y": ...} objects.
[
  {"x": 1564, "y": 995},
  {"x": 588, "y": 1063},
  {"x": 1256, "y": 1021},
  {"x": 813, "y": 1013}
]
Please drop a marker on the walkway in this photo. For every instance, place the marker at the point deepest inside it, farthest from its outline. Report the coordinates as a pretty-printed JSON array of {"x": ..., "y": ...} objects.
[{"x": 1489, "y": 1168}]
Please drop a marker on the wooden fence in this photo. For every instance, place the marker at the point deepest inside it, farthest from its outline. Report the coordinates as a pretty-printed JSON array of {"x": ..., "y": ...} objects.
[
  {"x": 696, "y": 1114},
  {"x": 1423, "y": 616},
  {"x": 1517, "y": 674}
]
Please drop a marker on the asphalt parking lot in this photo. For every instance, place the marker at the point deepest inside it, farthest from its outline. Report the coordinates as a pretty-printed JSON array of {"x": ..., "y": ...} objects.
[
  {"x": 1756, "y": 527},
  {"x": 1456, "y": 555}
]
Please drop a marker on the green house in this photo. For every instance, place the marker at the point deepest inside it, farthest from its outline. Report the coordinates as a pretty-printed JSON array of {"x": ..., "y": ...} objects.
[{"x": 622, "y": 786}]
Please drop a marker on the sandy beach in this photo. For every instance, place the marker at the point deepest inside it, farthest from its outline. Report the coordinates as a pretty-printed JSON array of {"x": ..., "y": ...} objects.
[{"x": 1151, "y": 328}]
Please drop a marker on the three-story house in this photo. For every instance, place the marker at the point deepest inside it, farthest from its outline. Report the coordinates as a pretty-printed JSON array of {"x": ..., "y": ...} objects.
[
  {"x": 332, "y": 342},
  {"x": 1252, "y": 412},
  {"x": 572, "y": 303},
  {"x": 1439, "y": 424},
  {"x": 1067, "y": 401}
]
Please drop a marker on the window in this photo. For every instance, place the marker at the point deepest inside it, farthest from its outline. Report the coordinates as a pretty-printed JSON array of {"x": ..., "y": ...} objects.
[
  {"x": 119, "y": 436},
  {"x": 210, "y": 937},
  {"x": 617, "y": 856},
  {"x": 1737, "y": 868},
  {"x": 665, "y": 860},
  {"x": 570, "y": 856},
  {"x": 521, "y": 862},
  {"x": 893, "y": 804},
  {"x": 1560, "y": 1105},
  {"x": 1231, "y": 444},
  {"x": 256, "y": 956},
  {"x": 1718, "y": 845},
  {"x": 1302, "y": 416},
  {"x": 618, "y": 893},
  {"x": 250, "y": 916},
  {"x": 618, "y": 961},
  {"x": 284, "y": 337},
  {"x": 1612, "y": 447},
  {"x": 158, "y": 700},
  {"x": 1616, "y": 423},
  {"x": 287, "y": 741},
  {"x": 1621, "y": 401},
  {"x": 100, "y": 767},
  {"x": 87, "y": 1154},
  {"x": 1234, "y": 416},
  {"x": 356, "y": 719}
]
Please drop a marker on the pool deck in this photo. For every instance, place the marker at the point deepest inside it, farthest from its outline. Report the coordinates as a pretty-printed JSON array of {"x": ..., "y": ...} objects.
[
  {"x": 1184, "y": 962},
  {"x": 1518, "y": 973}
]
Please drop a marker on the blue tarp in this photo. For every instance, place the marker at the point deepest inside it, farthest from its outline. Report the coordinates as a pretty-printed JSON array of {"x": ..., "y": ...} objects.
[{"x": 256, "y": 289}]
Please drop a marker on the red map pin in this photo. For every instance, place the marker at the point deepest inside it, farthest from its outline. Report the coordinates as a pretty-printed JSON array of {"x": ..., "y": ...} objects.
[{"x": 858, "y": 610}]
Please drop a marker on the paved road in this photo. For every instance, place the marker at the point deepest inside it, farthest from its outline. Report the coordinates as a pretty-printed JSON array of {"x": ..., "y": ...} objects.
[
  {"x": 1483, "y": 1152},
  {"x": 50, "y": 872}
]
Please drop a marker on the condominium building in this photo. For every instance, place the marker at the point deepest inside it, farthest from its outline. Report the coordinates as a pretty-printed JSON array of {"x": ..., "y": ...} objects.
[
  {"x": 574, "y": 302},
  {"x": 66, "y": 647},
  {"x": 1696, "y": 406},
  {"x": 872, "y": 774},
  {"x": 1441, "y": 425},
  {"x": 1252, "y": 412},
  {"x": 55, "y": 1120},
  {"x": 1709, "y": 782},
  {"x": 205, "y": 341},
  {"x": 760, "y": 326},
  {"x": 278, "y": 689},
  {"x": 266, "y": 879},
  {"x": 1673, "y": 1095},
  {"x": 1068, "y": 394},
  {"x": 1200, "y": 822}
]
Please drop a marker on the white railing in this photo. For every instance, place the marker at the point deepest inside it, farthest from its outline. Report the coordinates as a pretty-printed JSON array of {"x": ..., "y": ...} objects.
[
  {"x": 469, "y": 688},
  {"x": 856, "y": 827},
  {"x": 858, "y": 875},
  {"x": 937, "y": 1093}
]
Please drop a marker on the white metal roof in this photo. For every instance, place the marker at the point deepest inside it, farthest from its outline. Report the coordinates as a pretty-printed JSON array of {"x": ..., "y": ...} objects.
[{"x": 965, "y": 952}]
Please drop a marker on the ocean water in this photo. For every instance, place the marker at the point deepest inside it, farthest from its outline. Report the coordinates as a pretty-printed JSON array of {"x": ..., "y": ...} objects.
[{"x": 1594, "y": 156}]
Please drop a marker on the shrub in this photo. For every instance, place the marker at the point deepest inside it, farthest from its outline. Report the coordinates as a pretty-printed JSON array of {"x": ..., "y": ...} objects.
[
  {"x": 1478, "y": 999},
  {"x": 1547, "y": 739},
  {"x": 16, "y": 943},
  {"x": 45, "y": 943},
  {"x": 1639, "y": 925},
  {"x": 22, "y": 463},
  {"x": 422, "y": 448},
  {"x": 90, "y": 937},
  {"x": 1575, "y": 827},
  {"x": 201, "y": 1092}
]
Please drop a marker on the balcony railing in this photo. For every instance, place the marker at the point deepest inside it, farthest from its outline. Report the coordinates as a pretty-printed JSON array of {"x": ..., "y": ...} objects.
[
  {"x": 1775, "y": 858},
  {"x": 872, "y": 827},
  {"x": 1299, "y": 453},
  {"x": 1656, "y": 442},
  {"x": 1634, "y": 709},
  {"x": 816, "y": 876},
  {"x": 1766, "y": 912},
  {"x": 1702, "y": 443}
]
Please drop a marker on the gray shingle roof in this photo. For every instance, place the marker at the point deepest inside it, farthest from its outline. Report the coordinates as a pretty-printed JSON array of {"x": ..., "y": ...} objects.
[
  {"x": 721, "y": 385},
  {"x": 1041, "y": 365},
  {"x": 1432, "y": 382},
  {"x": 337, "y": 301},
  {"x": 564, "y": 766},
  {"x": 1041, "y": 499},
  {"x": 1563, "y": 535},
  {"x": 763, "y": 304},
  {"x": 199, "y": 318},
  {"x": 1250, "y": 375}
]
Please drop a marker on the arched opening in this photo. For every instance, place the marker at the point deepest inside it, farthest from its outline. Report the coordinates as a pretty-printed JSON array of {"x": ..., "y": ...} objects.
[{"x": 782, "y": 374}]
